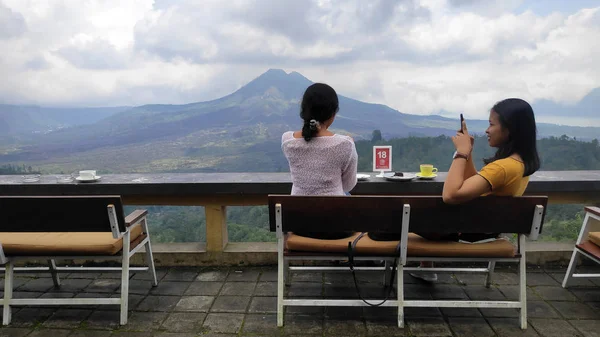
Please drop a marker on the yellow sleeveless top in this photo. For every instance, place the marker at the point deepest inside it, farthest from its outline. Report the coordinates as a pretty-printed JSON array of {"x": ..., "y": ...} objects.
[{"x": 505, "y": 177}]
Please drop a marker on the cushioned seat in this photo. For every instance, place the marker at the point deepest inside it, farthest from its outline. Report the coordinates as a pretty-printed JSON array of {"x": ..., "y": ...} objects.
[
  {"x": 594, "y": 237},
  {"x": 417, "y": 247},
  {"x": 63, "y": 243},
  {"x": 300, "y": 243}
]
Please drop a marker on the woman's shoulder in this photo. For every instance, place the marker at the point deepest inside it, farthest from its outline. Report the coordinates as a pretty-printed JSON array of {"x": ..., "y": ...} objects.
[
  {"x": 509, "y": 165},
  {"x": 287, "y": 136}
]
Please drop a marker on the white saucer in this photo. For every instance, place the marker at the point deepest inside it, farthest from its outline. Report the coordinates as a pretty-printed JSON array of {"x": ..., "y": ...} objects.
[
  {"x": 406, "y": 177},
  {"x": 362, "y": 177},
  {"x": 426, "y": 177},
  {"x": 31, "y": 180},
  {"x": 88, "y": 180}
]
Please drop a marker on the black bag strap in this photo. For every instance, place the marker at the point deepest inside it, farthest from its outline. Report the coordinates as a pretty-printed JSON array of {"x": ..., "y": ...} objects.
[{"x": 351, "y": 247}]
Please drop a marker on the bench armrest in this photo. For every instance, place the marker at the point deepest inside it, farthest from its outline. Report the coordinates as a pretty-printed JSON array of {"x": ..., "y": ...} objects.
[
  {"x": 593, "y": 210},
  {"x": 135, "y": 217}
]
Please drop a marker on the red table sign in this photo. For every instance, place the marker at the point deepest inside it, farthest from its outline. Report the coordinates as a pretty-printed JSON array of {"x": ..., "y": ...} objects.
[{"x": 382, "y": 158}]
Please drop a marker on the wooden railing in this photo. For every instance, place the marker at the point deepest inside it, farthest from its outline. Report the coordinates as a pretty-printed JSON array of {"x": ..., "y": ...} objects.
[{"x": 216, "y": 191}]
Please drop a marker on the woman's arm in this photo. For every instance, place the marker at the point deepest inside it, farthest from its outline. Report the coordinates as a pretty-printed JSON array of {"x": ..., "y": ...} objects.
[{"x": 463, "y": 183}]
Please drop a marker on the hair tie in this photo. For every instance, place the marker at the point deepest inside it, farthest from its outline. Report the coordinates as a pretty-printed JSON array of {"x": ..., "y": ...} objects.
[{"x": 314, "y": 124}]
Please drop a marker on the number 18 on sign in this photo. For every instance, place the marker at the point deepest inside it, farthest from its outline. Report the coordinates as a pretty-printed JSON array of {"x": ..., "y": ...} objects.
[{"x": 382, "y": 159}]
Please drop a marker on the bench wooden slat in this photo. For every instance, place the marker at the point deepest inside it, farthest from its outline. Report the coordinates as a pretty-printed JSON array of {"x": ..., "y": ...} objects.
[
  {"x": 384, "y": 214},
  {"x": 59, "y": 213}
]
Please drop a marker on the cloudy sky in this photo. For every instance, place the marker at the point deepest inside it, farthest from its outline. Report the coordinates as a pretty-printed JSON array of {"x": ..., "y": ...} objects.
[{"x": 417, "y": 56}]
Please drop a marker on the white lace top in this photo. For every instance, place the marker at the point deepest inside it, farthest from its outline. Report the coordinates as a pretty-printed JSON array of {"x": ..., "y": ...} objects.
[{"x": 323, "y": 166}]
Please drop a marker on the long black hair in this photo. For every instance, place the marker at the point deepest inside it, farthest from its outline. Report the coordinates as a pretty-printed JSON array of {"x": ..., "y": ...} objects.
[
  {"x": 319, "y": 103},
  {"x": 517, "y": 117}
]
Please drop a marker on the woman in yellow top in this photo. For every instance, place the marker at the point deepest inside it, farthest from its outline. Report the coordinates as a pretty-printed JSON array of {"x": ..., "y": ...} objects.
[{"x": 513, "y": 131}]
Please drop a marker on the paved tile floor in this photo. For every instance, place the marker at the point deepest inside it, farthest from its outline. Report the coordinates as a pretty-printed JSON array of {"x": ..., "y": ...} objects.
[{"x": 242, "y": 302}]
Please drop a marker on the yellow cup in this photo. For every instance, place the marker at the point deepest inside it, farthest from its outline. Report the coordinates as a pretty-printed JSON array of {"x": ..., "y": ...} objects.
[{"x": 428, "y": 170}]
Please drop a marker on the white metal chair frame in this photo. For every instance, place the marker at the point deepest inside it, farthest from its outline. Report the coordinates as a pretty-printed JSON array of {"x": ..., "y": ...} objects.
[
  {"x": 283, "y": 270},
  {"x": 590, "y": 220},
  {"x": 124, "y": 256}
]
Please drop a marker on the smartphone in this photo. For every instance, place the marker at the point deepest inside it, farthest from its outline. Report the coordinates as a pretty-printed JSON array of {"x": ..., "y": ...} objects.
[{"x": 462, "y": 119}]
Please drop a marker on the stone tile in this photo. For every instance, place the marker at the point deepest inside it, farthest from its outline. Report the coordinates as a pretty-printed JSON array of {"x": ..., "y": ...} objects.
[
  {"x": 575, "y": 310},
  {"x": 57, "y": 295},
  {"x": 111, "y": 275},
  {"x": 133, "y": 302},
  {"x": 170, "y": 288},
  {"x": 238, "y": 288},
  {"x": 139, "y": 287},
  {"x": 540, "y": 309},
  {"x": 587, "y": 294},
  {"x": 510, "y": 327},
  {"x": 145, "y": 275},
  {"x": 481, "y": 293},
  {"x": 144, "y": 321},
  {"x": 103, "y": 320},
  {"x": 418, "y": 312},
  {"x": 379, "y": 312},
  {"x": 223, "y": 323},
  {"x": 103, "y": 286},
  {"x": 204, "y": 288},
  {"x": 91, "y": 333},
  {"x": 574, "y": 282},
  {"x": 212, "y": 276},
  {"x": 263, "y": 305},
  {"x": 384, "y": 326},
  {"x": 499, "y": 313},
  {"x": 266, "y": 289},
  {"x": 313, "y": 290},
  {"x": 554, "y": 328},
  {"x": 313, "y": 277},
  {"x": 417, "y": 291},
  {"x": 505, "y": 278},
  {"x": 230, "y": 304},
  {"x": 243, "y": 275},
  {"x": 50, "y": 332},
  {"x": 129, "y": 334},
  {"x": 540, "y": 279},
  {"x": 470, "y": 327},
  {"x": 195, "y": 303},
  {"x": 316, "y": 312},
  {"x": 471, "y": 279},
  {"x": 461, "y": 312},
  {"x": 347, "y": 291},
  {"x": 27, "y": 294},
  {"x": 71, "y": 285},
  {"x": 14, "y": 332},
  {"x": 554, "y": 293},
  {"x": 183, "y": 322},
  {"x": 355, "y": 313},
  {"x": 181, "y": 274},
  {"x": 30, "y": 317},
  {"x": 83, "y": 275},
  {"x": 67, "y": 318},
  {"x": 448, "y": 292},
  {"x": 268, "y": 275},
  {"x": 158, "y": 303},
  {"x": 181, "y": 334},
  {"x": 300, "y": 324},
  {"x": 264, "y": 324},
  {"x": 589, "y": 328},
  {"x": 17, "y": 282},
  {"x": 512, "y": 293},
  {"x": 428, "y": 326},
  {"x": 344, "y": 327},
  {"x": 38, "y": 285}
]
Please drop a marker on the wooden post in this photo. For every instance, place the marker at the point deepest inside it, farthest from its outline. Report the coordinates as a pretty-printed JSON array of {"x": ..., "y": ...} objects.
[{"x": 216, "y": 227}]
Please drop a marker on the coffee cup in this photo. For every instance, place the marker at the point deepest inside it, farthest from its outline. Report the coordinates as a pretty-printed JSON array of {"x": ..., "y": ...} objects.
[
  {"x": 427, "y": 170},
  {"x": 88, "y": 174}
]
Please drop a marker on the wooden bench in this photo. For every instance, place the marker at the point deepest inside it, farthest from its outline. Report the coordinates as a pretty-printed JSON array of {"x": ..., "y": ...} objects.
[
  {"x": 587, "y": 244},
  {"x": 34, "y": 229},
  {"x": 397, "y": 215}
]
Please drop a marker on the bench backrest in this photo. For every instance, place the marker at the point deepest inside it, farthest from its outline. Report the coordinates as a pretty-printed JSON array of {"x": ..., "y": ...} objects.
[
  {"x": 428, "y": 214},
  {"x": 61, "y": 214}
]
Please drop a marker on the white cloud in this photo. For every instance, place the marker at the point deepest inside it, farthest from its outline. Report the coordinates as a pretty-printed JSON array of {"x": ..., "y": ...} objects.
[{"x": 418, "y": 56}]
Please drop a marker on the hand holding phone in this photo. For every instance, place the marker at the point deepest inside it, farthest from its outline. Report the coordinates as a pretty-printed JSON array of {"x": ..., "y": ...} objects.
[{"x": 462, "y": 119}]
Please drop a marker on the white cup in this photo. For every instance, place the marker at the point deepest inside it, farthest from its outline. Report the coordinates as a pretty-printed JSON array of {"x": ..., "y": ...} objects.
[{"x": 88, "y": 174}]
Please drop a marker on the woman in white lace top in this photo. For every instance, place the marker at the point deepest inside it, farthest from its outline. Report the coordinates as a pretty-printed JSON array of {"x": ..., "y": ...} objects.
[{"x": 321, "y": 162}]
